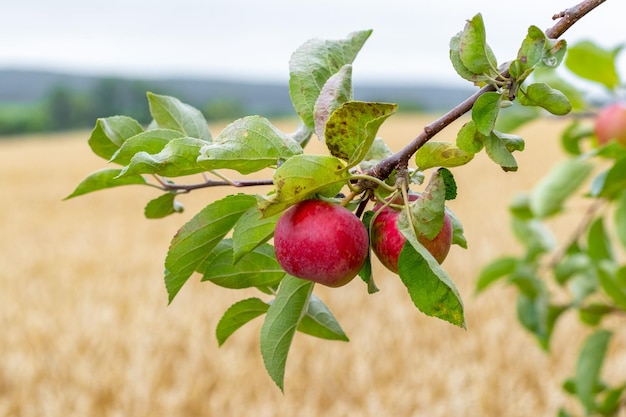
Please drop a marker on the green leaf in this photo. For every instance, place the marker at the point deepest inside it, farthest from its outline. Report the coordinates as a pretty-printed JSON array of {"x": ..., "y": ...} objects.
[
  {"x": 163, "y": 206},
  {"x": 498, "y": 152},
  {"x": 366, "y": 271},
  {"x": 441, "y": 154},
  {"x": 336, "y": 91},
  {"x": 378, "y": 151},
  {"x": 592, "y": 62},
  {"x": 485, "y": 111},
  {"x": 257, "y": 268},
  {"x": 237, "y": 315},
  {"x": 427, "y": 212},
  {"x": 612, "y": 182},
  {"x": 248, "y": 145},
  {"x": 458, "y": 237},
  {"x": 511, "y": 142},
  {"x": 572, "y": 136},
  {"x": 170, "y": 113},
  {"x": 459, "y": 66},
  {"x": 110, "y": 133},
  {"x": 554, "y": 53},
  {"x": 612, "y": 287},
  {"x": 551, "y": 77},
  {"x": 620, "y": 218},
  {"x": 558, "y": 185},
  {"x": 150, "y": 141},
  {"x": 178, "y": 158},
  {"x": 102, "y": 179},
  {"x": 538, "y": 317},
  {"x": 588, "y": 366},
  {"x": 300, "y": 178},
  {"x": 496, "y": 269},
  {"x": 320, "y": 322},
  {"x": 194, "y": 242},
  {"x": 351, "y": 129},
  {"x": 530, "y": 53},
  {"x": 251, "y": 231},
  {"x": 313, "y": 63},
  {"x": 468, "y": 139},
  {"x": 281, "y": 322},
  {"x": 430, "y": 288},
  {"x": 598, "y": 242},
  {"x": 474, "y": 51},
  {"x": 542, "y": 95},
  {"x": 534, "y": 235}
]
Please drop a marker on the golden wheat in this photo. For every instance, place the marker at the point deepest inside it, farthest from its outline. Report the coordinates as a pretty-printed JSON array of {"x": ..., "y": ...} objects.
[{"x": 86, "y": 329}]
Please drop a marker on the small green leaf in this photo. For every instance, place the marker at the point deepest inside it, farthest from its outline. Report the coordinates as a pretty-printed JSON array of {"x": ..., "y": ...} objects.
[
  {"x": 474, "y": 51},
  {"x": 336, "y": 91},
  {"x": 530, "y": 53},
  {"x": 459, "y": 66},
  {"x": 588, "y": 366},
  {"x": 320, "y": 322},
  {"x": 366, "y": 271},
  {"x": 251, "y": 231},
  {"x": 300, "y": 178},
  {"x": 498, "y": 152},
  {"x": 427, "y": 212},
  {"x": 194, "y": 242},
  {"x": 458, "y": 237},
  {"x": 248, "y": 145},
  {"x": 150, "y": 141},
  {"x": 612, "y": 182},
  {"x": 313, "y": 63},
  {"x": 280, "y": 324},
  {"x": 103, "y": 179},
  {"x": 554, "y": 189},
  {"x": 163, "y": 206},
  {"x": 176, "y": 159},
  {"x": 612, "y": 287},
  {"x": 351, "y": 129},
  {"x": 110, "y": 133},
  {"x": 485, "y": 111},
  {"x": 598, "y": 242},
  {"x": 538, "y": 317},
  {"x": 620, "y": 218},
  {"x": 542, "y": 95},
  {"x": 430, "y": 288},
  {"x": 572, "y": 136},
  {"x": 592, "y": 62},
  {"x": 553, "y": 78},
  {"x": 378, "y": 151},
  {"x": 496, "y": 269},
  {"x": 468, "y": 139},
  {"x": 237, "y": 315},
  {"x": 534, "y": 235},
  {"x": 171, "y": 113},
  {"x": 441, "y": 154}
]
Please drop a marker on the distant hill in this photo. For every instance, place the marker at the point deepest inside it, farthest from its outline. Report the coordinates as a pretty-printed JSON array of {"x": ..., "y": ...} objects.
[
  {"x": 42, "y": 101},
  {"x": 17, "y": 86}
]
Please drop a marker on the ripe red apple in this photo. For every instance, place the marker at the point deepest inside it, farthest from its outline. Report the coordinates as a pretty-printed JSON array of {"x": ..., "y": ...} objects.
[
  {"x": 611, "y": 124},
  {"x": 387, "y": 241},
  {"x": 321, "y": 242}
]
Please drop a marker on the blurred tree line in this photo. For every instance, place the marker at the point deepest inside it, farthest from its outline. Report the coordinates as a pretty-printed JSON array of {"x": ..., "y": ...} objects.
[{"x": 65, "y": 108}]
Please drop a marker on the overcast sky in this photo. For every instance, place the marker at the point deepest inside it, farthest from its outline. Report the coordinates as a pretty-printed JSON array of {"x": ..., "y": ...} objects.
[{"x": 253, "y": 39}]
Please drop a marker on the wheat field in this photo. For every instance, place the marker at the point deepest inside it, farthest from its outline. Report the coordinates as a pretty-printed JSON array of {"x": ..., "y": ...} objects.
[{"x": 86, "y": 329}]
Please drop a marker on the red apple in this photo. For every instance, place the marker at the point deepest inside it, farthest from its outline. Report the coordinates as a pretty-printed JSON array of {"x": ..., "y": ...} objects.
[
  {"x": 321, "y": 242},
  {"x": 387, "y": 241},
  {"x": 611, "y": 124}
]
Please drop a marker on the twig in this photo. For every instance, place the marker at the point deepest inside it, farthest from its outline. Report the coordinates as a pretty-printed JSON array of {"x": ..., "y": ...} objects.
[
  {"x": 566, "y": 18},
  {"x": 185, "y": 188}
]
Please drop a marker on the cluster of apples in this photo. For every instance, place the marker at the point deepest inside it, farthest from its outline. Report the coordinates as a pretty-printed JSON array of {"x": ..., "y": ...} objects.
[{"x": 328, "y": 244}]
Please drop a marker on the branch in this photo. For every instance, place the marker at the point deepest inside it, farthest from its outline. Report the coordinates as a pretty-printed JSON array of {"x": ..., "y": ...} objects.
[
  {"x": 185, "y": 188},
  {"x": 566, "y": 19}
]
